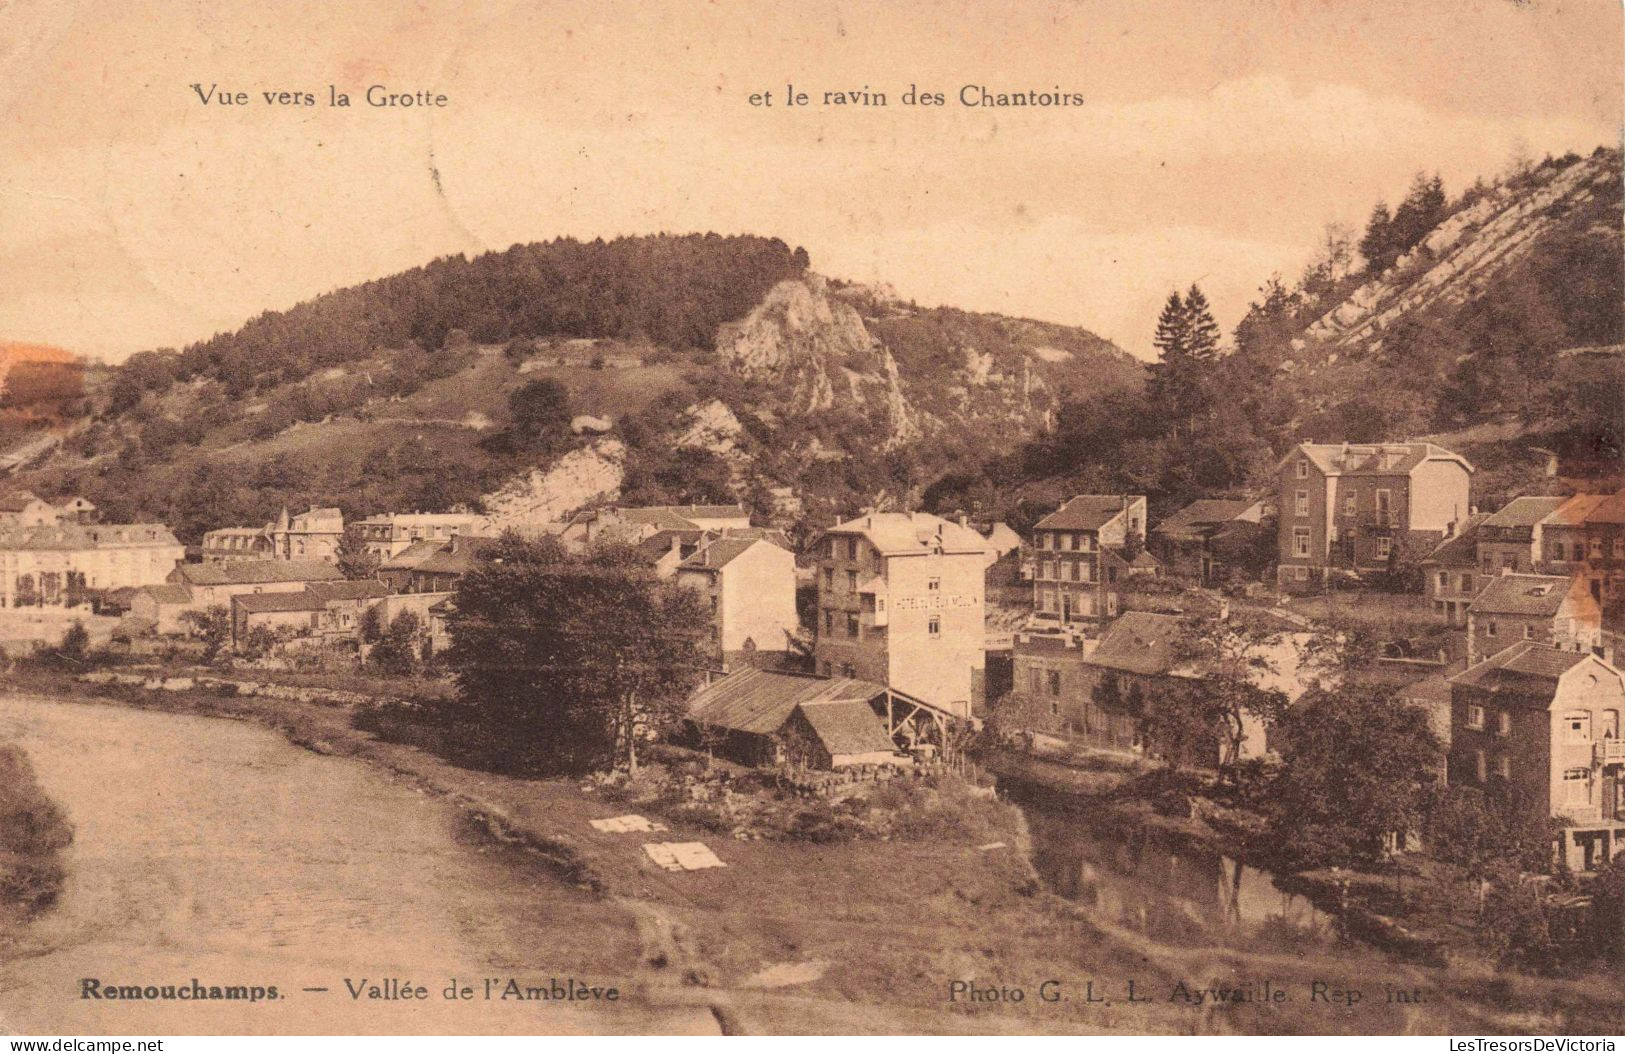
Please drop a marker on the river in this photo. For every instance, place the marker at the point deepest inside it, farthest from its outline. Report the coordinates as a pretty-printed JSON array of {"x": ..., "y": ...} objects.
[{"x": 216, "y": 850}]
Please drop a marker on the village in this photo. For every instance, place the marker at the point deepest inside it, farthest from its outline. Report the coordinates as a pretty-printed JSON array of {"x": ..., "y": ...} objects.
[{"x": 893, "y": 637}]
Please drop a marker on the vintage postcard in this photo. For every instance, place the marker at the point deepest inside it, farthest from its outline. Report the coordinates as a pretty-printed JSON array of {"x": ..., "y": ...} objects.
[{"x": 1063, "y": 517}]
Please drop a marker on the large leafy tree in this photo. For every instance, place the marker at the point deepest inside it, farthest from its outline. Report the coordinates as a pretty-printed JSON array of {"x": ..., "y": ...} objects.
[
  {"x": 569, "y": 662},
  {"x": 1359, "y": 765}
]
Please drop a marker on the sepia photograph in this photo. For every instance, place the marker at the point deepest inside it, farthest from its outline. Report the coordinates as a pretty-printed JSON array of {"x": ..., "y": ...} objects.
[{"x": 847, "y": 517}]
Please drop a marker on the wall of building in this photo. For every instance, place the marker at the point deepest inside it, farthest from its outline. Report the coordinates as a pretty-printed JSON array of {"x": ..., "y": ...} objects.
[
  {"x": 1440, "y": 495},
  {"x": 757, "y": 599}
]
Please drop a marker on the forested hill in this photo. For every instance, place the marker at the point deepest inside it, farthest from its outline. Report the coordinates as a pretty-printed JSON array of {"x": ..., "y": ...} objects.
[{"x": 531, "y": 382}]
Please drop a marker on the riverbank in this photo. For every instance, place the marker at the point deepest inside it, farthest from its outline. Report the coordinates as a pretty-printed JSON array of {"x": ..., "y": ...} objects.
[
  {"x": 871, "y": 937},
  {"x": 33, "y": 832}
]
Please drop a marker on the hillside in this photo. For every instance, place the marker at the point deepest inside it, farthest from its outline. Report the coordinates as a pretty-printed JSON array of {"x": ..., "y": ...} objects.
[{"x": 696, "y": 368}]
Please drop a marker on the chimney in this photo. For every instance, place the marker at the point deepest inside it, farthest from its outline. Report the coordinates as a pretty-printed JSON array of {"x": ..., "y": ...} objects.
[{"x": 964, "y": 521}]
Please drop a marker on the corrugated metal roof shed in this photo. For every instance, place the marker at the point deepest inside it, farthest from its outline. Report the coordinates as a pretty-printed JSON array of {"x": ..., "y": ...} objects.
[{"x": 761, "y": 701}]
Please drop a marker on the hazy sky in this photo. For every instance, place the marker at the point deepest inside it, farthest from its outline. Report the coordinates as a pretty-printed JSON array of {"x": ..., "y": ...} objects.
[{"x": 1216, "y": 140}]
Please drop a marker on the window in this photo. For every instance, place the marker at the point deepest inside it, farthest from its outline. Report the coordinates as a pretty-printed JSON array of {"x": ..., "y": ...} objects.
[
  {"x": 829, "y": 578},
  {"x": 1303, "y": 469},
  {"x": 1385, "y": 546},
  {"x": 933, "y": 626},
  {"x": 1055, "y": 682},
  {"x": 1577, "y": 786},
  {"x": 1046, "y": 600},
  {"x": 848, "y": 670},
  {"x": 933, "y": 584},
  {"x": 1490, "y": 630},
  {"x": 1557, "y": 550},
  {"x": 1047, "y": 569},
  {"x": 1509, "y": 561},
  {"x": 828, "y": 669},
  {"x": 1301, "y": 573},
  {"x": 1503, "y": 723},
  {"x": 1300, "y": 541},
  {"x": 1111, "y": 604},
  {"x": 1478, "y": 765},
  {"x": 851, "y": 624},
  {"x": 1069, "y": 541},
  {"x": 1596, "y": 548},
  {"x": 1351, "y": 505},
  {"x": 1444, "y": 580},
  {"x": 1475, "y": 716},
  {"x": 1043, "y": 539},
  {"x": 1054, "y": 709},
  {"x": 1577, "y": 727},
  {"x": 829, "y": 622},
  {"x": 851, "y": 581},
  {"x": 1035, "y": 680},
  {"x": 1384, "y": 507},
  {"x": 1503, "y": 767},
  {"x": 1528, "y": 631},
  {"x": 1300, "y": 503},
  {"x": 834, "y": 548},
  {"x": 1466, "y": 582}
]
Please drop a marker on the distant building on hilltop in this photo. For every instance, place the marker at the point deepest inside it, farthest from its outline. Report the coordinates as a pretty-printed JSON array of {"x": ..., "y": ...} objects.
[
  {"x": 388, "y": 535},
  {"x": 1351, "y": 506}
]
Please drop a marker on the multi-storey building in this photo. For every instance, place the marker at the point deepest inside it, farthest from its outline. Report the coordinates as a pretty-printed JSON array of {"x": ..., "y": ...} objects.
[
  {"x": 633, "y": 526},
  {"x": 1585, "y": 537},
  {"x": 1547, "y": 609},
  {"x": 25, "y": 509},
  {"x": 1450, "y": 574},
  {"x": 60, "y": 564},
  {"x": 386, "y": 536},
  {"x": 1548, "y": 722},
  {"x": 1352, "y": 505},
  {"x": 749, "y": 585},
  {"x": 311, "y": 535},
  {"x": 1199, "y": 543},
  {"x": 237, "y": 543},
  {"x": 900, "y": 603},
  {"x": 215, "y": 584},
  {"x": 1078, "y": 560},
  {"x": 1506, "y": 539}
]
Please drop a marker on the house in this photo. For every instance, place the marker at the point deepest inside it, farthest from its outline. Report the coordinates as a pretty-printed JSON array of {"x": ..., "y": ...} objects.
[
  {"x": 749, "y": 586},
  {"x": 396, "y": 571},
  {"x": 326, "y": 610},
  {"x": 388, "y": 535},
  {"x": 61, "y": 563},
  {"x": 237, "y": 543},
  {"x": 900, "y": 603},
  {"x": 762, "y": 717},
  {"x": 1585, "y": 537},
  {"x": 441, "y": 572},
  {"x": 1353, "y": 506},
  {"x": 1547, "y": 721},
  {"x": 1199, "y": 543},
  {"x": 311, "y": 535},
  {"x": 633, "y": 526},
  {"x": 432, "y": 610},
  {"x": 215, "y": 584},
  {"x": 22, "y": 508},
  {"x": 1548, "y": 609},
  {"x": 1072, "y": 580},
  {"x": 1450, "y": 572},
  {"x": 1099, "y": 692},
  {"x": 1506, "y": 539},
  {"x": 161, "y": 606}
]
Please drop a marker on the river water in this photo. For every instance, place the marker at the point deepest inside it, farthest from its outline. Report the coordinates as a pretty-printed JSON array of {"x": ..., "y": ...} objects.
[
  {"x": 216, "y": 850},
  {"x": 1172, "y": 894}
]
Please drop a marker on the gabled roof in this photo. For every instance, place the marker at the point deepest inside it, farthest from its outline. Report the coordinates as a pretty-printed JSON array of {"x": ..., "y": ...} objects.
[
  {"x": 168, "y": 593},
  {"x": 718, "y": 554},
  {"x": 1003, "y": 538},
  {"x": 259, "y": 603},
  {"x": 1524, "y": 512},
  {"x": 360, "y": 589},
  {"x": 847, "y": 727},
  {"x": 1541, "y": 595},
  {"x": 1523, "y": 665},
  {"x": 910, "y": 533},
  {"x": 413, "y": 555},
  {"x": 1204, "y": 512},
  {"x": 1087, "y": 512},
  {"x": 1145, "y": 559},
  {"x": 1588, "y": 508},
  {"x": 1372, "y": 459},
  {"x": 1460, "y": 549},
  {"x": 456, "y": 559},
  {"x": 1139, "y": 642},
  {"x": 257, "y": 572},
  {"x": 761, "y": 701}
]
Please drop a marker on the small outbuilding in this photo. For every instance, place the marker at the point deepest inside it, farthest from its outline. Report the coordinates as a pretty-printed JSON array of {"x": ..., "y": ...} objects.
[{"x": 763, "y": 717}]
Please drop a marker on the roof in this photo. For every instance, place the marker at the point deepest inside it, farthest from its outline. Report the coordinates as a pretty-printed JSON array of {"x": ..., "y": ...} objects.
[
  {"x": 1520, "y": 664},
  {"x": 704, "y": 512},
  {"x": 910, "y": 533},
  {"x": 234, "y": 532},
  {"x": 1003, "y": 538},
  {"x": 1205, "y": 512},
  {"x": 360, "y": 589},
  {"x": 761, "y": 701},
  {"x": 257, "y": 572},
  {"x": 1524, "y": 512},
  {"x": 1522, "y": 595},
  {"x": 847, "y": 727},
  {"x": 718, "y": 554},
  {"x": 1145, "y": 559},
  {"x": 76, "y": 536},
  {"x": 1087, "y": 512},
  {"x": 1434, "y": 688},
  {"x": 413, "y": 555},
  {"x": 1588, "y": 508},
  {"x": 1460, "y": 549},
  {"x": 1139, "y": 642},
  {"x": 1372, "y": 459},
  {"x": 168, "y": 593},
  {"x": 458, "y": 559},
  {"x": 259, "y": 603}
]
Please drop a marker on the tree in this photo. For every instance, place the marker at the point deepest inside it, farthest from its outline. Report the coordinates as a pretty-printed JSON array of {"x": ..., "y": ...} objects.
[
  {"x": 1608, "y": 910},
  {"x": 1188, "y": 339},
  {"x": 1358, "y": 765},
  {"x": 568, "y": 661},
  {"x": 1226, "y": 699},
  {"x": 539, "y": 408},
  {"x": 212, "y": 626},
  {"x": 1485, "y": 831},
  {"x": 355, "y": 560},
  {"x": 75, "y": 642},
  {"x": 1377, "y": 245},
  {"x": 397, "y": 650}
]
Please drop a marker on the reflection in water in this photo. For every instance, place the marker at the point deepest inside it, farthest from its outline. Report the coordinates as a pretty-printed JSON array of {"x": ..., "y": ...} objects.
[{"x": 1175, "y": 895}]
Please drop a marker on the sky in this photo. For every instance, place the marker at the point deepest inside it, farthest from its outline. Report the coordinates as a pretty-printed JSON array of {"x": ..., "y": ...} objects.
[{"x": 1215, "y": 141}]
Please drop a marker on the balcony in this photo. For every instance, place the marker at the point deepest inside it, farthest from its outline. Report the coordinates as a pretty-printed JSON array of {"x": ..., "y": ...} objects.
[{"x": 1611, "y": 752}]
